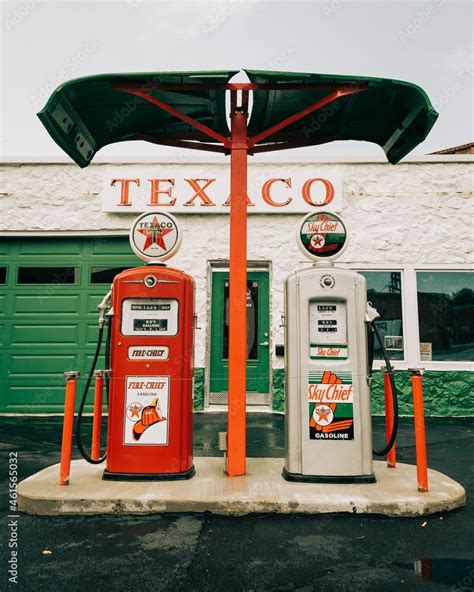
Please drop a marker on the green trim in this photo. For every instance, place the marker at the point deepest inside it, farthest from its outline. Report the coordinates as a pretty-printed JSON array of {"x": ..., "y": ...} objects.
[
  {"x": 198, "y": 394},
  {"x": 446, "y": 393}
]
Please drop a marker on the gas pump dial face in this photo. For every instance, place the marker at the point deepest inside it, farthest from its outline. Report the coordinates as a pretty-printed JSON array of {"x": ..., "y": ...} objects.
[
  {"x": 155, "y": 236},
  {"x": 322, "y": 236}
]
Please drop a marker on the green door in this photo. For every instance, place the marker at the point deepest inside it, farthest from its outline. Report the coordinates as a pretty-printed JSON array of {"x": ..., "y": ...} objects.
[
  {"x": 258, "y": 338},
  {"x": 49, "y": 291}
]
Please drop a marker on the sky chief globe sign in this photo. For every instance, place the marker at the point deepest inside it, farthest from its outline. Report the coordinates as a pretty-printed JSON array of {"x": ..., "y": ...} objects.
[
  {"x": 155, "y": 236},
  {"x": 322, "y": 236}
]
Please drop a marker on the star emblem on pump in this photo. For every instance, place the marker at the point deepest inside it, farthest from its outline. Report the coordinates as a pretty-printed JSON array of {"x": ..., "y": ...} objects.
[
  {"x": 317, "y": 241},
  {"x": 322, "y": 416},
  {"x": 135, "y": 410},
  {"x": 154, "y": 234},
  {"x": 323, "y": 413}
]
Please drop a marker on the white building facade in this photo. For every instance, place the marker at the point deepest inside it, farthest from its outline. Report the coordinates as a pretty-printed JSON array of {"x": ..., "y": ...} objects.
[{"x": 64, "y": 234}]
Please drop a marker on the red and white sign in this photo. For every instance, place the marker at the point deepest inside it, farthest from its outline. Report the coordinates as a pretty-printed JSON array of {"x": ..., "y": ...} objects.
[
  {"x": 204, "y": 189},
  {"x": 146, "y": 410},
  {"x": 152, "y": 352},
  {"x": 155, "y": 236}
]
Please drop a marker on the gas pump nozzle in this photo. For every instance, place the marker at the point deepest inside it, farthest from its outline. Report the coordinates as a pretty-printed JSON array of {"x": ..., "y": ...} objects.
[
  {"x": 371, "y": 313},
  {"x": 103, "y": 307}
]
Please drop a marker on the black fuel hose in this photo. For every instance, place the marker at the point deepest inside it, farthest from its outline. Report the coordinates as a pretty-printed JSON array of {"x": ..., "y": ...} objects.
[
  {"x": 393, "y": 435},
  {"x": 107, "y": 359},
  {"x": 83, "y": 402}
]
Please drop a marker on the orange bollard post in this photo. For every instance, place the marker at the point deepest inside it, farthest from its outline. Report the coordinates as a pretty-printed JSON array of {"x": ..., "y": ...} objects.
[
  {"x": 389, "y": 419},
  {"x": 97, "y": 420},
  {"x": 420, "y": 435},
  {"x": 68, "y": 424}
]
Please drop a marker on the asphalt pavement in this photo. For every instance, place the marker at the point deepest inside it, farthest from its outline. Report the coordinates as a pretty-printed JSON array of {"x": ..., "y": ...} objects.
[{"x": 193, "y": 552}]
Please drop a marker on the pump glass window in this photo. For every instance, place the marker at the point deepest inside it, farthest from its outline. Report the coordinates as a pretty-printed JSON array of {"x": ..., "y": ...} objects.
[
  {"x": 48, "y": 275},
  {"x": 446, "y": 315},
  {"x": 252, "y": 321},
  {"x": 384, "y": 291},
  {"x": 149, "y": 316},
  {"x": 105, "y": 275}
]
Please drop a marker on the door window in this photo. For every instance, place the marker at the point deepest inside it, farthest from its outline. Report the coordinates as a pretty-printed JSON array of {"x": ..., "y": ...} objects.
[{"x": 252, "y": 321}]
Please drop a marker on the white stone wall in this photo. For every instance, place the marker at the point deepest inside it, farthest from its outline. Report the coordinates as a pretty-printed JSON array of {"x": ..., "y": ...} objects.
[{"x": 417, "y": 212}]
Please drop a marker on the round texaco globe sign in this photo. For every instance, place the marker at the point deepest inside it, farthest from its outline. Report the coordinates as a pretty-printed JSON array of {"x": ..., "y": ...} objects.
[
  {"x": 155, "y": 236},
  {"x": 322, "y": 236}
]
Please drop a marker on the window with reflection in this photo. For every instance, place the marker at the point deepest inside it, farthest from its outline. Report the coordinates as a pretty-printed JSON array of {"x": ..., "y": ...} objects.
[
  {"x": 446, "y": 315},
  {"x": 252, "y": 321},
  {"x": 384, "y": 291},
  {"x": 105, "y": 275},
  {"x": 48, "y": 275}
]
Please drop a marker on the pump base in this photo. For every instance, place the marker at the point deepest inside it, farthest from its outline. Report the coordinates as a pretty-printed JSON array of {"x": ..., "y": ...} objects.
[
  {"x": 108, "y": 476},
  {"x": 328, "y": 478}
]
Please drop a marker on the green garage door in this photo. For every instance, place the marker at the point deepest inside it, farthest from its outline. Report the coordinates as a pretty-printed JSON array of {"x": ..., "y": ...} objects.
[{"x": 49, "y": 291}]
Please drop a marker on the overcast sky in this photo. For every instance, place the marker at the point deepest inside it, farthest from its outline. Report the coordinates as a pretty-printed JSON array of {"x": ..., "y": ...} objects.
[{"x": 46, "y": 43}]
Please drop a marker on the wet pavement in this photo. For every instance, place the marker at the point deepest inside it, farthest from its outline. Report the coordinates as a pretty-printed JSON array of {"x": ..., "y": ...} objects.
[{"x": 256, "y": 552}]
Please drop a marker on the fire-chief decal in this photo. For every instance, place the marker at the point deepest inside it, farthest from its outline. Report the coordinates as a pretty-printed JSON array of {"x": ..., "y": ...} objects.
[
  {"x": 330, "y": 400},
  {"x": 146, "y": 410}
]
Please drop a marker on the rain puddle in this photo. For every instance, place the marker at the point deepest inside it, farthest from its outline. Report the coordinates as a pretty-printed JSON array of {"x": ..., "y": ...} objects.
[{"x": 458, "y": 573}]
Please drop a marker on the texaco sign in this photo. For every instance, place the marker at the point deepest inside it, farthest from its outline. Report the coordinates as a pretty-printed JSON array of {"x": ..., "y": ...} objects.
[{"x": 204, "y": 189}]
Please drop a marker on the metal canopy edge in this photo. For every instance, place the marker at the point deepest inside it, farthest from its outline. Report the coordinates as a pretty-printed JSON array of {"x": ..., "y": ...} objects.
[{"x": 88, "y": 113}]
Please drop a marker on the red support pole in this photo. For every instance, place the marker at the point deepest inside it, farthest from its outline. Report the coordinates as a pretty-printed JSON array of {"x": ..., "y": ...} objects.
[
  {"x": 389, "y": 417},
  {"x": 420, "y": 435},
  {"x": 66, "y": 445},
  {"x": 96, "y": 422},
  {"x": 236, "y": 419}
]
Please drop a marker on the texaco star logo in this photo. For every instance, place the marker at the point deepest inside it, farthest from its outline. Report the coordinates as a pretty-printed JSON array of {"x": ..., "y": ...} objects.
[
  {"x": 323, "y": 415},
  {"x": 134, "y": 411},
  {"x": 317, "y": 241},
  {"x": 155, "y": 234}
]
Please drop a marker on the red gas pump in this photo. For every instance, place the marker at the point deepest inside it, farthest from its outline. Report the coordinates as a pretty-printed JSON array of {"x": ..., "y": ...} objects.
[
  {"x": 150, "y": 347},
  {"x": 150, "y": 398}
]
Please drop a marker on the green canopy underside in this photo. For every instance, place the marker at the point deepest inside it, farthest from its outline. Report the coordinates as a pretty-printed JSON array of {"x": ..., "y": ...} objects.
[{"x": 85, "y": 114}]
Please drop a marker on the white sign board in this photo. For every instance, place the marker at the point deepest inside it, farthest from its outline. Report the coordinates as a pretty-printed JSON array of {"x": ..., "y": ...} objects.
[{"x": 204, "y": 188}]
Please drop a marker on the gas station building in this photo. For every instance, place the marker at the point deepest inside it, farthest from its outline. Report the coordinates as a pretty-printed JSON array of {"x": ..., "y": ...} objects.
[{"x": 64, "y": 235}]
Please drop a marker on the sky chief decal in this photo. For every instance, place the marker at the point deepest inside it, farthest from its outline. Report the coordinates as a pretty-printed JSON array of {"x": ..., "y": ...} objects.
[{"x": 330, "y": 401}]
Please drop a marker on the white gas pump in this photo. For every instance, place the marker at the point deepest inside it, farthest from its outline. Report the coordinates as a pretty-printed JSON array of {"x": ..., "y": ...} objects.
[{"x": 328, "y": 357}]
